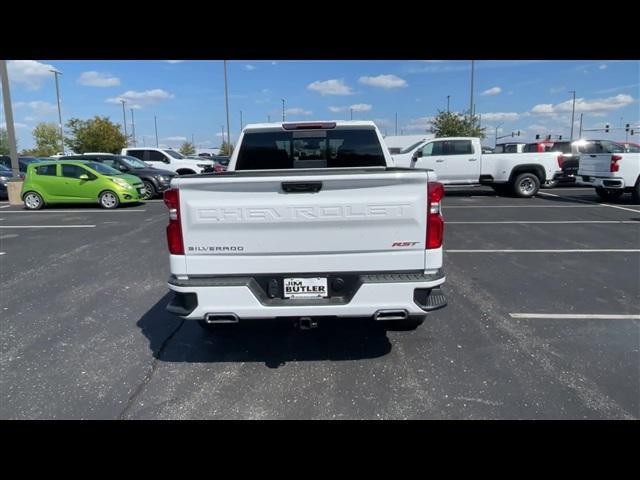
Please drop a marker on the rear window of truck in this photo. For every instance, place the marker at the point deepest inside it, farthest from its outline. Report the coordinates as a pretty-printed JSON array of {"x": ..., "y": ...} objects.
[{"x": 310, "y": 149}]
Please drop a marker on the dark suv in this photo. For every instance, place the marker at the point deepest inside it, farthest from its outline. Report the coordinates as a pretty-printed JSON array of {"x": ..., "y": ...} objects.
[
  {"x": 155, "y": 180},
  {"x": 5, "y": 160}
]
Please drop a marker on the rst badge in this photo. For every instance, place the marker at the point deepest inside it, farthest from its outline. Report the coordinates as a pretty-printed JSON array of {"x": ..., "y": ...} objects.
[{"x": 404, "y": 244}]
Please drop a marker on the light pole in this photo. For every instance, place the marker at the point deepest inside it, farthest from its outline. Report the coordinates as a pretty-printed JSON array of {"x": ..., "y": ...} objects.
[
  {"x": 268, "y": 118},
  {"x": 8, "y": 114},
  {"x": 226, "y": 99},
  {"x": 495, "y": 144},
  {"x": 155, "y": 122},
  {"x": 396, "y": 123},
  {"x": 283, "y": 110},
  {"x": 580, "y": 133},
  {"x": 55, "y": 74},
  {"x": 124, "y": 121},
  {"x": 222, "y": 127},
  {"x": 573, "y": 111},
  {"x": 351, "y": 110},
  {"x": 471, "y": 100},
  {"x": 448, "y": 98},
  {"x": 133, "y": 128}
]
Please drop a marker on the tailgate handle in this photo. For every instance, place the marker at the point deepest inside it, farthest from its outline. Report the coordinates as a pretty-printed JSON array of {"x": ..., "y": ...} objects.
[{"x": 296, "y": 187}]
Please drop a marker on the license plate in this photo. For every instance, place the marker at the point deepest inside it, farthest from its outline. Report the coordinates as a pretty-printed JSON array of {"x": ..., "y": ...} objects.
[{"x": 305, "y": 288}]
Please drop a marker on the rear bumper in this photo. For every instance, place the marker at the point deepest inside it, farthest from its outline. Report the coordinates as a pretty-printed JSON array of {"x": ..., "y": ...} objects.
[
  {"x": 602, "y": 182},
  {"x": 415, "y": 293}
]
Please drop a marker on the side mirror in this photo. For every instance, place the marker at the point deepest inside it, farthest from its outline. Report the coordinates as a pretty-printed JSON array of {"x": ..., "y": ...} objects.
[
  {"x": 122, "y": 168},
  {"x": 416, "y": 155}
]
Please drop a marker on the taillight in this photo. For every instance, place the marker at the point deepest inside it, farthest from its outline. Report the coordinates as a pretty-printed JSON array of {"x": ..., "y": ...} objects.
[
  {"x": 560, "y": 160},
  {"x": 435, "y": 222},
  {"x": 174, "y": 229},
  {"x": 614, "y": 163}
]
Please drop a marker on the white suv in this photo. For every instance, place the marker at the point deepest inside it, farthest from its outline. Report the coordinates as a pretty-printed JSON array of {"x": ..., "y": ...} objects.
[{"x": 168, "y": 159}]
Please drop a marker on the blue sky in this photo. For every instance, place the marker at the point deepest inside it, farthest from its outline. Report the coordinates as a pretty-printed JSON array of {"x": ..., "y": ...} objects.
[{"x": 188, "y": 96}]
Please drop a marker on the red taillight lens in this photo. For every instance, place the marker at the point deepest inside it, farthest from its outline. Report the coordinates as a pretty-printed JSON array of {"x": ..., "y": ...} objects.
[
  {"x": 614, "y": 163},
  {"x": 560, "y": 160},
  {"x": 435, "y": 222},
  {"x": 174, "y": 229}
]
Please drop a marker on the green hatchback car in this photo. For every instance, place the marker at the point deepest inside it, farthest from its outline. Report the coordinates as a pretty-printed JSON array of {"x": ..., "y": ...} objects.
[{"x": 76, "y": 181}]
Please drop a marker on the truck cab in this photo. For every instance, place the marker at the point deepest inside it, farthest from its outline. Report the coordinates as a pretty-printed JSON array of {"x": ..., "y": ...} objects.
[
  {"x": 455, "y": 159},
  {"x": 169, "y": 159}
]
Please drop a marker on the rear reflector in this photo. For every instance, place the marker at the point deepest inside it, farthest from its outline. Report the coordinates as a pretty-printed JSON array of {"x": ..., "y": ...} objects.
[
  {"x": 435, "y": 221},
  {"x": 174, "y": 229},
  {"x": 614, "y": 163},
  {"x": 309, "y": 126}
]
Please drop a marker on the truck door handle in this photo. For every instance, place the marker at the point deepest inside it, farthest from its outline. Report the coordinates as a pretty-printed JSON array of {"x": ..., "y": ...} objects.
[
  {"x": 439, "y": 161},
  {"x": 296, "y": 187},
  {"x": 472, "y": 159}
]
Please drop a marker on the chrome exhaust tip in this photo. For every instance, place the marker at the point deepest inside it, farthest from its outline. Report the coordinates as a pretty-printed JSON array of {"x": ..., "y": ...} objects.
[
  {"x": 221, "y": 318},
  {"x": 391, "y": 315}
]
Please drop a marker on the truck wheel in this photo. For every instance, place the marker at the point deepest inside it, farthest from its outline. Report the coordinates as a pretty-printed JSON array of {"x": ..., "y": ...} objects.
[
  {"x": 108, "y": 200},
  {"x": 33, "y": 201},
  {"x": 526, "y": 185},
  {"x": 410, "y": 323},
  {"x": 185, "y": 172},
  {"x": 636, "y": 192},
  {"x": 608, "y": 194}
]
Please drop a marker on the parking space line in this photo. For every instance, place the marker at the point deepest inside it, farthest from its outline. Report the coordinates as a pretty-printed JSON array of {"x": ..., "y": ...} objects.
[
  {"x": 576, "y": 250},
  {"x": 5, "y": 206},
  {"x": 47, "y": 226},
  {"x": 525, "y": 222},
  {"x": 2, "y": 253},
  {"x": 73, "y": 211},
  {"x": 590, "y": 202},
  {"x": 579, "y": 316}
]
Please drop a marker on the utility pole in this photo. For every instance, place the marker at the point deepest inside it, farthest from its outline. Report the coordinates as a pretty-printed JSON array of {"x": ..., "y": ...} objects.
[
  {"x": 8, "y": 114},
  {"x": 471, "y": 100},
  {"x": 222, "y": 127},
  {"x": 580, "y": 134},
  {"x": 155, "y": 121},
  {"x": 448, "y": 98},
  {"x": 573, "y": 111},
  {"x": 283, "y": 110},
  {"x": 55, "y": 74},
  {"x": 396, "y": 123},
  {"x": 351, "y": 110},
  {"x": 124, "y": 121},
  {"x": 497, "y": 127},
  {"x": 226, "y": 99},
  {"x": 133, "y": 128},
  {"x": 144, "y": 142},
  {"x": 268, "y": 118}
]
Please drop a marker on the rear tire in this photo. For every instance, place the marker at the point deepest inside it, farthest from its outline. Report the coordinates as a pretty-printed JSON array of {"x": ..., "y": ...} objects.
[
  {"x": 108, "y": 200},
  {"x": 526, "y": 185},
  {"x": 150, "y": 190},
  {"x": 33, "y": 201},
  {"x": 636, "y": 192},
  {"x": 608, "y": 194}
]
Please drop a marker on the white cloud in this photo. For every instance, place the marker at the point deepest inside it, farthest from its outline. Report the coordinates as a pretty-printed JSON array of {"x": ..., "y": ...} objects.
[
  {"x": 420, "y": 124},
  {"x": 174, "y": 61},
  {"x": 602, "y": 67},
  {"x": 492, "y": 92},
  {"x": 175, "y": 139},
  {"x": 297, "y": 111},
  {"x": 15, "y": 125},
  {"x": 142, "y": 99},
  {"x": 358, "y": 107},
  {"x": 384, "y": 81},
  {"x": 330, "y": 87},
  {"x": 38, "y": 107},
  {"x": 249, "y": 67},
  {"x": 557, "y": 89},
  {"x": 597, "y": 107},
  {"x": 500, "y": 116},
  {"x": 30, "y": 73},
  {"x": 97, "y": 79}
]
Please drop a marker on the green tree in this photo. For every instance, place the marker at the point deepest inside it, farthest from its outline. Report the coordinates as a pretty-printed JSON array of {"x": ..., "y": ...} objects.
[
  {"x": 187, "y": 148},
  {"x": 4, "y": 142},
  {"x": 226, "y": 149},
  {"x": 451, "y": 124},
  {"x": 98, "y": 134},
  {"x": 47, "y": 139}
]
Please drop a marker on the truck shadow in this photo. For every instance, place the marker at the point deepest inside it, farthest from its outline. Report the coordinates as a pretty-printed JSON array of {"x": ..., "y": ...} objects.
[{"x": 272, "y": 342}]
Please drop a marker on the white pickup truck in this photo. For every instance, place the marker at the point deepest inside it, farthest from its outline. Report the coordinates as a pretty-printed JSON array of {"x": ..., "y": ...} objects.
[
  {"x": 168, "y": 159},
  {"x": 460, "y": 161},
  {"x": 310, "y": 220},
  {"x": 612, "y": 174}
]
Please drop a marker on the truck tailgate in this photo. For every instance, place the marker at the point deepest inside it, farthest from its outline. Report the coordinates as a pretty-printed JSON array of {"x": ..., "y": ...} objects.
[
  {"x": 360, "y": 220},
  {"x": 595, "y": 164}
]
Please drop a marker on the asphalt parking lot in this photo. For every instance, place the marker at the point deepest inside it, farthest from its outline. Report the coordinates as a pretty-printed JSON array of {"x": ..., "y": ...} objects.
[{"x": 542, "y": 323}]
